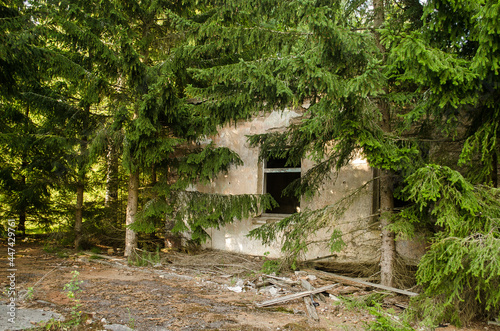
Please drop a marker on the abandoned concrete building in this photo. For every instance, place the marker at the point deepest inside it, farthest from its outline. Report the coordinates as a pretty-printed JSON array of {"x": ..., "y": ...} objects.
[{"x": 255, "y": 177}]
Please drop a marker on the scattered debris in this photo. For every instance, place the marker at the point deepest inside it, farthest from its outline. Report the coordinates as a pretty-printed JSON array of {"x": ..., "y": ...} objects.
[
  {"x": 311, "y": 308},
  {"x": 306, "y": 285},
  {"x": 236, "y": 289},
  {"x": 294, "y": 296},
  {"x": 176, "y": 297},
  {"x": 356, "y": 282}
]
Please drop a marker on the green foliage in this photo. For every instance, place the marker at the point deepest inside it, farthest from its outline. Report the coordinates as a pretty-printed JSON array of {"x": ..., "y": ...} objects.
[
  {"x": 72, "y": 288},
  {"x": 195, "y": 211},
  {"x": 460, "y": 269},
  {"x": 297, "y": 229},
  {"x": 270, "y": 266},
  {"x": 205, "y": 165},
  {"x": 29, "y": 294},
  {"x": 384, "y": 321},
  {"x": 145, "y": 258}
]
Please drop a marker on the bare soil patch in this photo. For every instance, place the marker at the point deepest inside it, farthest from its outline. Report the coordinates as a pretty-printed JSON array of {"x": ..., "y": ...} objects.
[{"x": 184, "y": 292}]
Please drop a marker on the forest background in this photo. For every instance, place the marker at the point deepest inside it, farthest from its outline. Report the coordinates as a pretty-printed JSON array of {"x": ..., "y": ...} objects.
[{"x": 105, "y": 106}]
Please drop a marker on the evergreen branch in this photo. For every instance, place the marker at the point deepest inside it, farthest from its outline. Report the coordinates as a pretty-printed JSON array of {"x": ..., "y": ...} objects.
[
  {"x": 295, "y": 230},
  {"x": 295, "y": 33}
]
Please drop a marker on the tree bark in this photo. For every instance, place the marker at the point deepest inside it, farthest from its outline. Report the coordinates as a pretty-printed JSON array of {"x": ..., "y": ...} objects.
[
  {"x": 24, "y": 164},
  {"x": 172, "y": 240},
  {"x": 132, "y": 203},
  {"x": 111, "y": 176},
  {"x": 112, "y": 183},
  {"x": 22, "y": 213},
  {"x": 388, "y": 245},
  {"x": 79, "y": 213}
]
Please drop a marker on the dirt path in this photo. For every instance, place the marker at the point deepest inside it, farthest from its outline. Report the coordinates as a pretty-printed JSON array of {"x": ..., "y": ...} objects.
[
  {"x": 161, "y": 298},
  {"x": 168, "y": 297}
]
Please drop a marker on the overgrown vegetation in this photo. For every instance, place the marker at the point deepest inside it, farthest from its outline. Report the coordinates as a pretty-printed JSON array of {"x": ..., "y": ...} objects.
[
  {"x": 145, "y": 258},
  {"x": 106, "y": 109}
]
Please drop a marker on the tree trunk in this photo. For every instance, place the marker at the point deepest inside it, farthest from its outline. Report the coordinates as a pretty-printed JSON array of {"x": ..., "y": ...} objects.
[
  {"x": 24, "y": 164},
  {"x": 112, "y": 179},
  {"x": 172, "y": 240},
  {"x": 22, "y": 213},
  {"x": 79, "y": 213},
  {"x": 112, "y": 183},
  {"x": 388, "y": 246},
  {"x": 132, "y": 202}
]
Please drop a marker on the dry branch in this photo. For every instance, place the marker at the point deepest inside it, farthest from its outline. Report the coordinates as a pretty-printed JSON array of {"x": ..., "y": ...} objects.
[
  {"x": 355, "y": 282},
  {"x": 294, "y": 296}
]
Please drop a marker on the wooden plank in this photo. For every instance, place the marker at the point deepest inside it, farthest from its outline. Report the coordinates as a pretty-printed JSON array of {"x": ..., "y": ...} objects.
[
  {"x": 306, "y": 285},
  {"x": 311, "y": 309},
  {"x": 309, "y": 287},
  {"x": 294, "y": 296},
  {"x": 349, "y": 280},
  {"x": 283, "y": 280}
]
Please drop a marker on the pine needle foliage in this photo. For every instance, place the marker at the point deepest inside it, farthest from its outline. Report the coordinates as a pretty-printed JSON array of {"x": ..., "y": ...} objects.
[
  {"x": 195, "y": 212},
  {"x": 314, "y": 57},
  {"x": 435, "y": 69},
  {"x": 460, "y": 270},
  {"x": 298, "y": 231}
]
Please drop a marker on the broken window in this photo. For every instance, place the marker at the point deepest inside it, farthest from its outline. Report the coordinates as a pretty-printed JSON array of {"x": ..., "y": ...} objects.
[{"x": 277, "y": 177}]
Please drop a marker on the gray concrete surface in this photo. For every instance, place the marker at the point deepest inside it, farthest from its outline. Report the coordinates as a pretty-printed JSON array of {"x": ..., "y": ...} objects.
[{"x": 24, "y": 318}]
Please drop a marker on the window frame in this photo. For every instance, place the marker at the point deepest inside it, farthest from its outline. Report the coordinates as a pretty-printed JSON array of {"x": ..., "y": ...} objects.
[{"x": 282, "y": 170}]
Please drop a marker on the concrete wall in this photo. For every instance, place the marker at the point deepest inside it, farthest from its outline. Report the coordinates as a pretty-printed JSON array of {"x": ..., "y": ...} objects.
[{"x": 361, "y": 234}]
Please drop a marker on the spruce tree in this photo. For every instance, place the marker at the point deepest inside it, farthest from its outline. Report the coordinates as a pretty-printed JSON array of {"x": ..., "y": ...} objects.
[
  {"x": 391, "y": 80},
  {"x": 76, "y": 34},
  {"x": 33, "y": 161},
  {"x": 268, "y": 55},
  {"x": 450, "y": 64},
  {"x": 161, "y": 126}
]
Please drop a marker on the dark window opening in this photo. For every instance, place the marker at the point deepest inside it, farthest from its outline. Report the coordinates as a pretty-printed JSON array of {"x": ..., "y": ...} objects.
[{"x": 277, "y": 177}]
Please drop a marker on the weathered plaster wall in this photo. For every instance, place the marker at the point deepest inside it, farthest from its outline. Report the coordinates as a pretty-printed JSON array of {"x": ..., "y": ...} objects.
[{"x": 361, "y": 234}]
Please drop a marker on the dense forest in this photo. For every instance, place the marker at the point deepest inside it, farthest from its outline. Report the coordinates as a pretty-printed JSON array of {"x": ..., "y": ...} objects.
[{"x": 106, "y": 105}]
